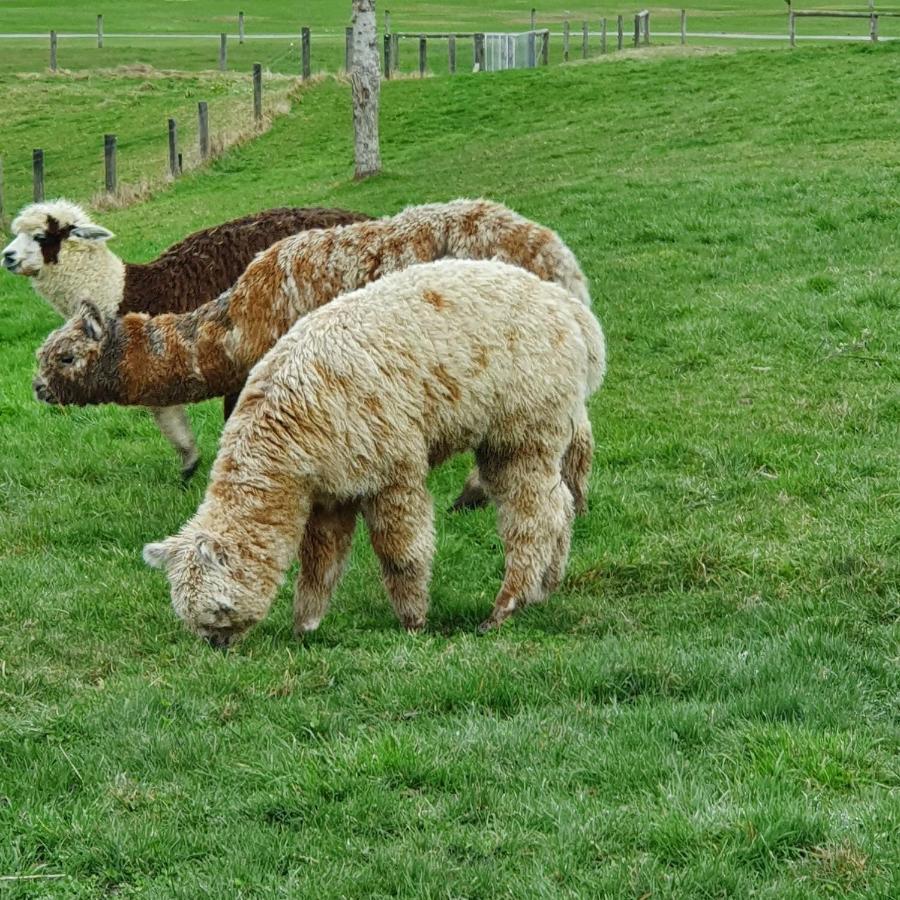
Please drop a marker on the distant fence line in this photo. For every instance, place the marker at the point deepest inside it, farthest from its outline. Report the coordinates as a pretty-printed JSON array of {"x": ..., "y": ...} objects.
[{"x": 502, "y": 49}]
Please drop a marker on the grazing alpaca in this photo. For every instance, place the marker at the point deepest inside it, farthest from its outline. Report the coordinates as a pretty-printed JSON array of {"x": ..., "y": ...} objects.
[
  {"x": 66, "y": 256},
  {"x": 181, "y": 359},
  {"x": 350, "y": 410}
]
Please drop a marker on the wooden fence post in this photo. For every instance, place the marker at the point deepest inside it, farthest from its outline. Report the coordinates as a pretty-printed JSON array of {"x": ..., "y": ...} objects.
[
  {"x": 37, "y": 167},
  {"x": 621, "y": 36},
  {"x": 173, "y": 148},
  {"x": 348, "y": 48},
  {"x": 387, "y": 21},
  {"x": 532, "y": 49},
  {"x": 240, "y": 28},
  {"x": 451, "y": 53},
  {"x": 585, "y": 40},
  {"x": 603, "y": 35},
  {"x": 223, "y": 52},
  {"x": 387, "y": 55},
  {"x": 792, "y": 28},
  {"x": 533, "y": 14},
  {"x": 873, "y": 27},
  {"x": 100, "y": 31},
  {"x": 683, "y": 27},
  {"x": 257, "y": 92},
  {"x": 566, "y": 40},
  {"x": 647, "y": 29},
  {"x": 203, "y": 122},
  {"x": 637, "y": 31},
  {"x": 109, "y": 162},
  {"x": 479, "y": 51},
  {"x": 423, "y": 55},
  {"x": 395, "y": 51},
  {"x": 304, "y": 52},
  {"x": 52, "y": 51},
  {"x": 545, "y": 47}
]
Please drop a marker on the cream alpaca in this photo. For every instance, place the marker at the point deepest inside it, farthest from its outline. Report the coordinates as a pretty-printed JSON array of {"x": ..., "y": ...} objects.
[
  {"x": 67, "y": 258},
  {"x": 180, "y": 359},
  {"x": 350, "y": 410}
]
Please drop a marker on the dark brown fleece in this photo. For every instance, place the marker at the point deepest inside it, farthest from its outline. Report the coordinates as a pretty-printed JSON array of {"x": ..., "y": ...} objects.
[{"x": 208, "y": 262}]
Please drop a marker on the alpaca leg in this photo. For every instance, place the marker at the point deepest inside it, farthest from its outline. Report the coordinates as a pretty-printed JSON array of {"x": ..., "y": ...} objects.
[
  {"x": 556, "y": 568},
  {"x": 173, "y": 423},
  {"x": 473, "y": 494},
  {"x": 534, "y": 514},
  {"x": 323, "y": 556},
  {"x": 577, "y": 460},
  {"x": 401, "y": 526}
]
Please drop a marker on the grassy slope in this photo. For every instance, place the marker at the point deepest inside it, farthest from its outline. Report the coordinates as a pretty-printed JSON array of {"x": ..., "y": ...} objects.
[
  {"x": 68, "y": 117},
  {"x": 709, "y": 706}
]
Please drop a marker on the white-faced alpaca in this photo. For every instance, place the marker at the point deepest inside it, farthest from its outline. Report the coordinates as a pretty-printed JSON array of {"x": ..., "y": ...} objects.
[
  {"x": 181, "y": 359},
  {"x": 67, "y": 258},
  {"x": 350, "y": 410}
]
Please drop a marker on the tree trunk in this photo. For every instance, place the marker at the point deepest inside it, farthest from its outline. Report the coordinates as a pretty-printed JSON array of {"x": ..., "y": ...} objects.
[{"x": 365, "y": 81}]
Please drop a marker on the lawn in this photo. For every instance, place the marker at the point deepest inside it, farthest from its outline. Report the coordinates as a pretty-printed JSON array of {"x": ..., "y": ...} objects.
[{"x": 709, "y": 706}]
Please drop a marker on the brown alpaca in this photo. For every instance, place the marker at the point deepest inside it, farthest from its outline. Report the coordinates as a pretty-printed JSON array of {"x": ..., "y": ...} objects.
[
  {"x": 67, "y": 258},
  {"x": 182, "y": 359},
  {"x": 349, "y": 411}
]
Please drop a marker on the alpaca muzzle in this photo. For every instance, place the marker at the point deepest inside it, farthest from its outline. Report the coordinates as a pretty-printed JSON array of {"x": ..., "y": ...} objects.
[{"x": 42, "y": 392}]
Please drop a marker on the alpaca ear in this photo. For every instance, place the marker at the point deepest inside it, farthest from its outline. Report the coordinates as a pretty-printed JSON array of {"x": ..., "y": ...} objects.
[
  {"x": 157, "y": 555},
  {"x": 92, "y": 320},
  {"x": 91, "y": 233},
  {"x": 210, "y": 552}
]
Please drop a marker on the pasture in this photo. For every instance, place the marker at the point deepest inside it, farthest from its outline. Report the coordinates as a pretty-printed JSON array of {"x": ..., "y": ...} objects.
[
  {"x": 191, "y": 29},
  {"x": 708, "y": 707}
]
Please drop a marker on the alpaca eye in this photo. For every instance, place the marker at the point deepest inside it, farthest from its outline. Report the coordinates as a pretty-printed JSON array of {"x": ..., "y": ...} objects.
[
  {"x": 40, "y": 238},
  {"x": 67, "y": 359}
]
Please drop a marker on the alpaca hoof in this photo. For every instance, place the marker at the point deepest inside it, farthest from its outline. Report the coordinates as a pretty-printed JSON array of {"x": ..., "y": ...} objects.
[
  {"x": 301, "y": 629},
  {"x": 413, "y": 626},
  {"x": 188, "y": 471},
  {"x": 470, "y": 498}
]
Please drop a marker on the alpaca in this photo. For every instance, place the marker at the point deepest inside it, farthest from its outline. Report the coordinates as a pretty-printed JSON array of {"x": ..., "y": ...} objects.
[
  {"x": 350, "y": 410},
  {"x": 182, "y": 359},
  {"x": 67, "y": 258}
]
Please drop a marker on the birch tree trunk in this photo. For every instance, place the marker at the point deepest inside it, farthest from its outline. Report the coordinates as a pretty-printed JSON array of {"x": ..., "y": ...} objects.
[{"x": 365, "y": 81}]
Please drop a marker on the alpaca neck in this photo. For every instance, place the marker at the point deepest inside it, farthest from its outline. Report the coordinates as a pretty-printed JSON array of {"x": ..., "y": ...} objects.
[
  {"x": 85, "y": 271},
  {"x": 172, "y": 359},
  {"x": 262, "y": 515}
]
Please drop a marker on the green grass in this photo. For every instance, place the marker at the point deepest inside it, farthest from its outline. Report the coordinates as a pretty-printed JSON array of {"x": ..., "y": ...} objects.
[
  {"x": 68, "y": 117},
  {"x": 708, "y": 708},
  {"x": 328, "y": 18}
]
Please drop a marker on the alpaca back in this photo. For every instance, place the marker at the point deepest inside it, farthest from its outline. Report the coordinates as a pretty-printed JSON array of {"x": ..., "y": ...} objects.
[
  {"x": 208, "y": 262},
  {"x": 427, "y": 362}
]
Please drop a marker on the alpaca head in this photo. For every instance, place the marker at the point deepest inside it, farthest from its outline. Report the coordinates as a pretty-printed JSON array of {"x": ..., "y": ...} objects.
[
  {"x": 47, "y": 233},
  {"x": 208, "y": 593},
  {"x": 76, "y": 362}
]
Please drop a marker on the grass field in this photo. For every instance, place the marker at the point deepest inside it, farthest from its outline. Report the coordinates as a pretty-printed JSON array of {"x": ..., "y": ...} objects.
[
  {"x": 708, "y": 708},
  {"x": 327, "y": 19}
]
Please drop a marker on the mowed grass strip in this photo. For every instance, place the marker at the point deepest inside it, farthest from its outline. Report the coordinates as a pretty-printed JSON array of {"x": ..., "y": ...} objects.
[{"x": 709, "y": 705}]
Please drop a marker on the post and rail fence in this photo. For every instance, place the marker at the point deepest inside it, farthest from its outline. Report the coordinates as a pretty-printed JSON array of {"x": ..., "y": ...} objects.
[{"x": 491, "y": 51}]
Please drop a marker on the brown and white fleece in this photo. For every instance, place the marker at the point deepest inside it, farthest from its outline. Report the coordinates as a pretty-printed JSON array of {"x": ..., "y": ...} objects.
[
  {"x": 67, "y": 258},
  {"x": 182, "y": 359},
  {"x": 348, "y": 412}
]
